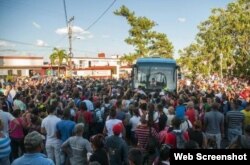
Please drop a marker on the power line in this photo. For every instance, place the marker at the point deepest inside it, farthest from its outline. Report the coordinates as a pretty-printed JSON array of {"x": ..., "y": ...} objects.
[
  {"x": 66, "y": 18},
  {"x": 30, "y": 44},
  {"x": 22, "y": 43},
  {"x": 101, "y": 15}
]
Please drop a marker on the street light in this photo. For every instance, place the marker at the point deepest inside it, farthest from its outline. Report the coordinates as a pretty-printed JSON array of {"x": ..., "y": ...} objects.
[
  {"x": 70, "y": 44},
  {"x": 221, "y": 75}
]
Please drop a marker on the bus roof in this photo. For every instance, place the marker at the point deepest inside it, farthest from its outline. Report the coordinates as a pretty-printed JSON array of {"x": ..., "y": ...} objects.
[{"x": 156, "y": 60}]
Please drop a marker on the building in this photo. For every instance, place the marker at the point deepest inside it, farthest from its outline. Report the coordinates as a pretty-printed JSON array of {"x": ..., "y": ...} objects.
[
  {"x": 95, "y": 67},
  {"x": 100, "y": 67},
  {"x": 20, "y": 65}
]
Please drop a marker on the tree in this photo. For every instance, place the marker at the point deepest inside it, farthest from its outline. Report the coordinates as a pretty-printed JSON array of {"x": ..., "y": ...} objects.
[
  {"x": 57, "y": 57},
  {"x": 146, "y": 41},
  {"x": 129, "y": 59},
  {"x": 226, "y": 32}
]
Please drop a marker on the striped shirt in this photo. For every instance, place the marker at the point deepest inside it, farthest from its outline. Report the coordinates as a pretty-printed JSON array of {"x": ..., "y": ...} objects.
[
  {"x": 4, "y": 146},
  {"x": 142, "y": 134},
  {"x": 234, "y": 119}
]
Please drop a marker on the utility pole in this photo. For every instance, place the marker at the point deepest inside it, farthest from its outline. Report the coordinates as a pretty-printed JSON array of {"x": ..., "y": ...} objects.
[{"x": 70, "y": 42}]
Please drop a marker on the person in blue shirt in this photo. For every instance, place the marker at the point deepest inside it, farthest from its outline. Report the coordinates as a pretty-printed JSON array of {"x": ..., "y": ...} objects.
[
  {"x": 64, "y": 129},
  {"x": 180, "y": 110},
  {"x": 33, "y": 144}
]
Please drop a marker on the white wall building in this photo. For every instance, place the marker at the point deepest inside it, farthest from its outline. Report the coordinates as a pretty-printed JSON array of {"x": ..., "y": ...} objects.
[
  {"x": 19, "y": 65},
  {"x": 100, "y": 66}
]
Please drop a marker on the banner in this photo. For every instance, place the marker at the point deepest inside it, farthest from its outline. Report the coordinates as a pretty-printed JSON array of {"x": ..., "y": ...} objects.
[{"x": 214, "y": 156}]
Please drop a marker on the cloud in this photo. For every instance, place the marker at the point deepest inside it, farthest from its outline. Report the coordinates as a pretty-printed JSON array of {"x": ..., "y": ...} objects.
[
  {"x": 75, "y": 29},
  {"x": 36, "y": 25},
  {"x": 105, "y": 36},
  {"x": 6, "y": 44},
  {"x": 182, "y": 19},
  {"x": 90, "y": 36},
  {"x": 41, "y": 43}
]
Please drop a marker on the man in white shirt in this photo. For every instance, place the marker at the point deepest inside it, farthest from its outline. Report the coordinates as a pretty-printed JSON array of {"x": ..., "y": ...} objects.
[
  {"x": 48, "y": 127},
  {"x": 6, "y": 117},
  {"x": 111, "y": 122}
]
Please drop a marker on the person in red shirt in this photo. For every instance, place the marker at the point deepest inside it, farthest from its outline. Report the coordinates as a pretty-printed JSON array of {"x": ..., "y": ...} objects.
[
  {"x": 85, "y": 117},
  {"x": 170, "y": 138},
  {"x": 191, "y": 113}
]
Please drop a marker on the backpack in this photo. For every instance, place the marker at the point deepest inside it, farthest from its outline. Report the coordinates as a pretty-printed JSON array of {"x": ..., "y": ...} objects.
[
  {"x": 96, "y": 117},
  {"x": 180, "y": 139},
  {"x": 106, "y": 112},
  {"x": 115, "y": 152},
  {"x": 77, "y": 102}
]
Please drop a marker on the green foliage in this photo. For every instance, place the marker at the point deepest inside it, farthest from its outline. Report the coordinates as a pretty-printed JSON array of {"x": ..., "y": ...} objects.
[
  {"x": 141, "y": 36},
  {"x": 226, "y": 32},
  {"x": 57, "y": 57}
]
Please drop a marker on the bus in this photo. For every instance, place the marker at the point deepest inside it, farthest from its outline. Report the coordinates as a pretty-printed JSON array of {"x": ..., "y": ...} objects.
[{"x": 155, "y": 74}]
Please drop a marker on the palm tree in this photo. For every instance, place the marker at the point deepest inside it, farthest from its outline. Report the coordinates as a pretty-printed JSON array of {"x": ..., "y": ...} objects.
[
  {"x": 129, "y": 59},
  {"x": 57, "y": 57}
]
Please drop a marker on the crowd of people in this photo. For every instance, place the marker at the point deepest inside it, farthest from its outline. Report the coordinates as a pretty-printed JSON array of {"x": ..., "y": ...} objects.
[{"x": 88, "y": 121}]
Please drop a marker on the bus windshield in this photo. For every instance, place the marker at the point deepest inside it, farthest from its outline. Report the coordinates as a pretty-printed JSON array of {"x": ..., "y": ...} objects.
[{"x": 155, "y": 77}]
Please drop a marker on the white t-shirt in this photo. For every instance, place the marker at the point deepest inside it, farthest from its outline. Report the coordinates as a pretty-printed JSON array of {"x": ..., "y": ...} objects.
[
  {"x": 170, "y": 118},
  {"x": 109, "y": 126},
  {"x": 134, "y": 122},
  {"x": 185, "y": 125},
  {"x": 6, "y": 117},
  {"x": 156, "y": 116},
  {"x": 49, "y": 123},
  {"x": 165, "y": 110}
]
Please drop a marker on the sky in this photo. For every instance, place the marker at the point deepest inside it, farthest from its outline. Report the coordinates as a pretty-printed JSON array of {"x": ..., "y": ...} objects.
[{"x": 35, "y": 27}]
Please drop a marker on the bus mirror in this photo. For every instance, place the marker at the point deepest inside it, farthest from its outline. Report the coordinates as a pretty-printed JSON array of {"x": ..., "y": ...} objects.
[{"x": 179, "y": 76}]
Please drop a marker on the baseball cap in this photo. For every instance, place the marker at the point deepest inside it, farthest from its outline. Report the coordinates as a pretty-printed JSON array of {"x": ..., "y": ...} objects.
[
  {"x": 33, "y": 139},
  {"x": 117, "y": 129}
]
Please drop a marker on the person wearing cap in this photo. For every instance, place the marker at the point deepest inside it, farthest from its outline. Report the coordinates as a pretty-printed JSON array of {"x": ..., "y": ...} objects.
[
  {"x": 33, "y": 143},
  {"x": 117, "y": 147}
]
